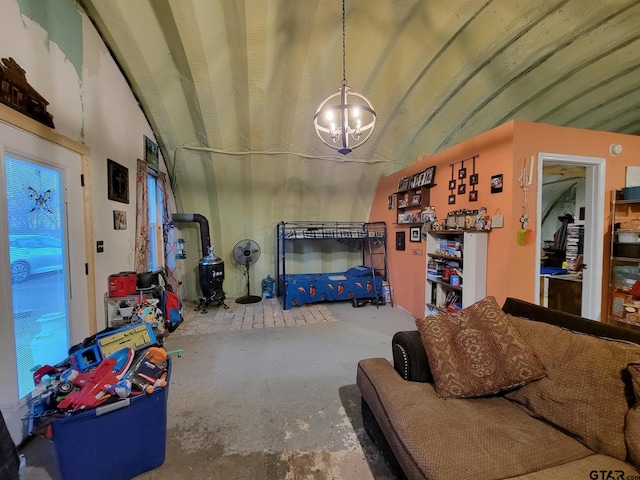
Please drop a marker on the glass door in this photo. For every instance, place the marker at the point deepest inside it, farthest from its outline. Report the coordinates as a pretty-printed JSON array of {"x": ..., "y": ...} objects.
[{"x": 38, "y": 259}]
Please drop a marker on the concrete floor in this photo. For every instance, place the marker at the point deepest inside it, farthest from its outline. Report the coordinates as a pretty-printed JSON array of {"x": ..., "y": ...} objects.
[{"x": 270, "y": 400}]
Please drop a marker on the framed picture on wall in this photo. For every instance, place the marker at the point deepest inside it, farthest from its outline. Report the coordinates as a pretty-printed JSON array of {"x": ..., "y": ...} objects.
[
  {"x": 117, "y": 182},
  {"x": 473, "y": 196},
  {"x": 496, "y": 183},
  {"x": 451, "y": 200},
  {"x": 430, "y": 176},
  {"x": 400, "y": 240},
  {"x": 473, "y": 179},
  {"x": 414, "y": 234},
  {"x": 151, "y": 153},
  {"x": 392, "y": 201},
  {"x": 452, "y": 184},
  {"x": 119, "y": 220}
]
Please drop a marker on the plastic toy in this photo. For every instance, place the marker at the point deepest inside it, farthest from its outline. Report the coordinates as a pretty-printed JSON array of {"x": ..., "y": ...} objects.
[
  {"x": 148, "y": 369},
  {"x": 95, "y": 387}
]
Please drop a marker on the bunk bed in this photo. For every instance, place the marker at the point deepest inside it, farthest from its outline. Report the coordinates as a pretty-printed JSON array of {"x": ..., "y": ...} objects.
[{"x": 366, "y": 280}]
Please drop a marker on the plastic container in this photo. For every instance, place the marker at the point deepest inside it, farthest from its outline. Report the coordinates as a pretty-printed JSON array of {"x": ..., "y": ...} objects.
[
  {"x": 628, "y": 236},
  {"x": 117, "y": 441},
  {"x": 631, "y": 193},
  {"x": 268, "y": 287}
]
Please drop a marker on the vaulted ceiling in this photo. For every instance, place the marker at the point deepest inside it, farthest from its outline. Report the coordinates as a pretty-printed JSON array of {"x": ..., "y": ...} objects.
[{"x": 232, "y": 86}]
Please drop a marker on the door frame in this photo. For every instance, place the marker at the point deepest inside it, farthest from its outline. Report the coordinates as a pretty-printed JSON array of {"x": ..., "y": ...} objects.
[
  {"x": 14, "y": 410},
  {"x": 594, "y": 235}
]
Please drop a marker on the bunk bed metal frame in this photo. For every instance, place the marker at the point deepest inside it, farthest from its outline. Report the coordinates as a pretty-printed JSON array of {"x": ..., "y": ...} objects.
[{"x": 369, "y": 237}]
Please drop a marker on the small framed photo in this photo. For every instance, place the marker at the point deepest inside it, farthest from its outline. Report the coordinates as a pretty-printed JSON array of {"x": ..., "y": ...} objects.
[
  {"x": 403, "y": 184},
  {"x": 414, "y": 234},
  {"x": 151, "y": 153},
  {"x": 400, "y": 240},
  {"x": 430, "y": 176},
  {"x": 415, "y": 199},
  {"x": 421, "y": 179},
  {"x": 473, "y": 179},
  {"x": 452, "y": 184},
  {"x": 414, "y": 181},
  {"x": 496, "y": 183},
  {"x": 119, "y": 220},
  {"x": 117, "y": 182},
  {"x": 392, "y": 201},
  {"x": 462, "y": 188},
  {"x": 452, "y": 199},
  {"x": 473, "y": 196},
  {"x": 462, "y": 173},
  {"x": 402, "y": 203}
]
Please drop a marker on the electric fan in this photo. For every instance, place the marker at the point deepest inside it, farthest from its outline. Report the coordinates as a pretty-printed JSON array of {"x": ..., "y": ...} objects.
[{"x": 246, "y": 252}]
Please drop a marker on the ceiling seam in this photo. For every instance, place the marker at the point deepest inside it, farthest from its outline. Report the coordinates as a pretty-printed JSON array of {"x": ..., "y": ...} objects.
[
  {"x": 486, "y": 62},
  {"x": 506, "y": 85},
  {"x": 510, "y": 114},
  {"x": 400, "y": 104},
  {"x": 478, "y": 69}
]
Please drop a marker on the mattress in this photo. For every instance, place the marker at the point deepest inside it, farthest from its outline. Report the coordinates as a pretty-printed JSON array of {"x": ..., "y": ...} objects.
[{"x": 302, "y": 288}]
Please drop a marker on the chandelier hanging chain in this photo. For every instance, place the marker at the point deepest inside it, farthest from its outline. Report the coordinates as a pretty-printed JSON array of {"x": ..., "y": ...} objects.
[{"x": 344, "y": 55}]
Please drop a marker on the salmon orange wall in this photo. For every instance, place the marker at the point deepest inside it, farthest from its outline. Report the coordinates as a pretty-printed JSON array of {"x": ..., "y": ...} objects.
[
  {"x": 503, "y": 150},
  {"x": 531, "y": 138}
]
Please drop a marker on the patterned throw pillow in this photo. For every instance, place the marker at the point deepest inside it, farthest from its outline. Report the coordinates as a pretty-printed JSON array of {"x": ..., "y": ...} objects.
[{"x": 477, "y": 351}]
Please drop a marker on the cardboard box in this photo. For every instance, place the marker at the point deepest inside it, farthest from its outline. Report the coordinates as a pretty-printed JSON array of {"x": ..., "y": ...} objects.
[{"x": 115, "y": 441}]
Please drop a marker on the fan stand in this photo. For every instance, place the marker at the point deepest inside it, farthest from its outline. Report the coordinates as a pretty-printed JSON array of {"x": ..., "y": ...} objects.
[{"x": 248, "y": 298}]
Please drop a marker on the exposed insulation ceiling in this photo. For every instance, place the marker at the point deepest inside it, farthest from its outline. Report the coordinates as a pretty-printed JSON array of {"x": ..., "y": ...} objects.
[
  {"x": 230, "y": 88},
  {"x": 248, "y": 76}
]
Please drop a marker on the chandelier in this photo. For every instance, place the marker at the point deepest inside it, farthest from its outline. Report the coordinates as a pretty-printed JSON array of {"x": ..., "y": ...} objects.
[{"x": 345, "y": 119}]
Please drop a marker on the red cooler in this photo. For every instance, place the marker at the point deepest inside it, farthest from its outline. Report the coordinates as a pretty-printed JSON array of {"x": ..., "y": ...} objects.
[{"x": 122, "y": 284}]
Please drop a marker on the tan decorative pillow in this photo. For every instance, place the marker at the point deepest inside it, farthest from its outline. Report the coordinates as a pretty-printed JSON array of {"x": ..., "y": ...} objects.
[{"x": 477, "y": 351}]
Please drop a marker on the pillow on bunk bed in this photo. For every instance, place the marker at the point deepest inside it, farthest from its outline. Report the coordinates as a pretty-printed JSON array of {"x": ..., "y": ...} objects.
[{"x": 359, "y": 271}]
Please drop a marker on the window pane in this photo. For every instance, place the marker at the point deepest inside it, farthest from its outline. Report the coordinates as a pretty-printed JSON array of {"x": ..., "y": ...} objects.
[
  {"x": 153, "y": 241},
  {"x": 37, "y": 256}
]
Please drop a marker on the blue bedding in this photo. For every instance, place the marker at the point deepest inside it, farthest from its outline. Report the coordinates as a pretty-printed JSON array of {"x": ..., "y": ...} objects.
[{"x": 357, "y": 282}]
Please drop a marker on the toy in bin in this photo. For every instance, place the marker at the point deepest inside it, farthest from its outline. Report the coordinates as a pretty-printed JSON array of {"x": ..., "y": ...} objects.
[
  {"x": 149, "y": 371},
  {"x": 90, "y": 389}
]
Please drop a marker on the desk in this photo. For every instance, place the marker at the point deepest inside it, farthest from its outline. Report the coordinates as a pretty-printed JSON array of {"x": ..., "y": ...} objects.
[{"x": 565, "y": 293}]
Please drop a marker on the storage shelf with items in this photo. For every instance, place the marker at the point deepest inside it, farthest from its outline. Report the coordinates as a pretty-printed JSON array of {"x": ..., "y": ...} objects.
[
  {"x": 456, "y": 269},
  {"x": 413, "y": 196},
  {"x": 624, "y": 266}
]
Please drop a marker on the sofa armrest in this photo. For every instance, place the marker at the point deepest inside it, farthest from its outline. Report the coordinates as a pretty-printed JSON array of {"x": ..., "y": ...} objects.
[{"x": 409, "y": 357}]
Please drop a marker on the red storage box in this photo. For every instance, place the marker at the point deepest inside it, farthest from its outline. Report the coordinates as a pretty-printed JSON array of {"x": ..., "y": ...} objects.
[
  {"x": 122, "y": 284},
  {"x": 116, "y": 441}
]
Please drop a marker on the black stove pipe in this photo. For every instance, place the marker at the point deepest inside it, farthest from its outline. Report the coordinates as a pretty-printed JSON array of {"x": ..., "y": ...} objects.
[{"x": 205, "y": 239}]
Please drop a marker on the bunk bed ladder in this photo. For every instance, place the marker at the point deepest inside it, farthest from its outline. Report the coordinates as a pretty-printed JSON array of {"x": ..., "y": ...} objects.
[{"x": 378, "y": 259}]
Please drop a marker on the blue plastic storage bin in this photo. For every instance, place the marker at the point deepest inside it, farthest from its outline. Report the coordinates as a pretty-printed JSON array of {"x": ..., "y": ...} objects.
[{"x": 116, "y": 441}]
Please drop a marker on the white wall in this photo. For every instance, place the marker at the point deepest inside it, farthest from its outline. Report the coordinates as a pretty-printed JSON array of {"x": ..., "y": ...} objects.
[{"x": 92, "y": 104}]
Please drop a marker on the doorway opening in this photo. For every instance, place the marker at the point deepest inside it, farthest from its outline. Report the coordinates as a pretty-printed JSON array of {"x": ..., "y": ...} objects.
[{"x": 570, "y": 233}]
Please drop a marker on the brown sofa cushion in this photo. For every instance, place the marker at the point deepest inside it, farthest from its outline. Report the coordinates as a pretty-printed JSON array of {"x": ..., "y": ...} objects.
[
  {"x": 477, "y": 351},
  {"x": 584, "y": 391},
  {"x": 479, "y": 438},
  {"x": 632, "y": 420},
  {"x": 593, "y": 466}
]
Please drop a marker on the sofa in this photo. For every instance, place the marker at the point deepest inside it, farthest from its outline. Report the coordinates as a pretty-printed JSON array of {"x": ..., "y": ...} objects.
[{"x": 550, "y": 396}]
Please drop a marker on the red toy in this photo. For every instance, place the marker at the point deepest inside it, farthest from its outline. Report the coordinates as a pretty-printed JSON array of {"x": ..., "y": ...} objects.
[{"x": 96, "y": 387}]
